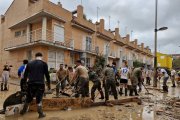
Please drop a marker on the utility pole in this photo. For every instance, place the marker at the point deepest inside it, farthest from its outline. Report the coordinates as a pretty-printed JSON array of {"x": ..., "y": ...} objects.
[
  {"x": 155, "y": 46},
  {"x": 109, "y": 22}
]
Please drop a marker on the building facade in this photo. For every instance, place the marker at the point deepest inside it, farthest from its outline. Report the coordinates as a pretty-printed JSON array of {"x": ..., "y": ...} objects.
[{"x": 63, "y": 36}]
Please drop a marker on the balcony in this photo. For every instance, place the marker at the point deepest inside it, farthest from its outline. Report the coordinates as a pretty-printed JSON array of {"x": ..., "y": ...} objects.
[
  {"x": 91, "y": 49},
  {"x": 112, "y": 55},
  {"x": 35, "y": 38}
]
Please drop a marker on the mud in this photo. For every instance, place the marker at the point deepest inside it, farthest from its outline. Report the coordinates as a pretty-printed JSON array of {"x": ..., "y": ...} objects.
[{"x": 153, "y": 108}]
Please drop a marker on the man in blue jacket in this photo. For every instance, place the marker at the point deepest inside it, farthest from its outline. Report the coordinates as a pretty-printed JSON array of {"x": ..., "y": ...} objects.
[{"x": 21, "y": 71}]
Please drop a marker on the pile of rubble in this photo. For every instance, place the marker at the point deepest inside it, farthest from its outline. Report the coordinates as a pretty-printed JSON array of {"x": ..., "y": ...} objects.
[{"x": 167, "y": 108}]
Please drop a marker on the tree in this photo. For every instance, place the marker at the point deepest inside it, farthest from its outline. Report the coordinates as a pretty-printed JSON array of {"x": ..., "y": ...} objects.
[
  {"x": 99, "y": 62},
  {"x": 137, "y": 64},
  {"x": 176, "y": 63}
]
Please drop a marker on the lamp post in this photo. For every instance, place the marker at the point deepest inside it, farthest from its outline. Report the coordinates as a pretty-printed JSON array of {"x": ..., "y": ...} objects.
[{"x": 155, "y": 44}]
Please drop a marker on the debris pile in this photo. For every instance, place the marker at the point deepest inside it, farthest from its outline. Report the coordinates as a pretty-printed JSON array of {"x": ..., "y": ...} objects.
[{"x": 167, "y": 108}]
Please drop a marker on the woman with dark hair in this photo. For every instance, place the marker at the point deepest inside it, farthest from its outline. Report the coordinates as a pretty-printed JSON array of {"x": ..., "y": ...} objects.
[{"x": 5, "y": 77}]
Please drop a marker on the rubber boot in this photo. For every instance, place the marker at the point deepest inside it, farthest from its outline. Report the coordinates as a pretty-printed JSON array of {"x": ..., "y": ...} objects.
[
  {"x": 147, "y": 82},
  {"x": 131, "y": 92},
  {"x": 135, "y": 91},
  {"x": 5, "y": 87},
  {"x": 39, "y": 110},
  {"x": 92, "y": 96},
  {"x": 25, "y": 108},
  {"x": 125, "y": 91},
  {"x": 102, "y": 94},
  {"x": 120, "y": 92},
  {"x": 140, "y": 89},
  {"x": 173, "y": 85},
  {"x": 166, "y": 88},
  {"x": 2, "y": 87},
  {"x": 57, "y": 92}
]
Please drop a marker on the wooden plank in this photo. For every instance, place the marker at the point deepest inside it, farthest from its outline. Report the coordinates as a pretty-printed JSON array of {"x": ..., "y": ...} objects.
[{"x": 75, "y": 103}]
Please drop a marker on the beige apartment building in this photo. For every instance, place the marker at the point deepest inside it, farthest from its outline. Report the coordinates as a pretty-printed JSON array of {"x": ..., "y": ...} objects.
[{"x": 30, "y": 26}]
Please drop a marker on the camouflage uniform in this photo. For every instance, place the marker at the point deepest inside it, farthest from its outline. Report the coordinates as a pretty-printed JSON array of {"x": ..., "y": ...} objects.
[
  {"x": 96, "y": 85},
  {"x": 110, "y": 83},
  {"x": 135, "y": 80},
  {"x": 61, "y": 75}
]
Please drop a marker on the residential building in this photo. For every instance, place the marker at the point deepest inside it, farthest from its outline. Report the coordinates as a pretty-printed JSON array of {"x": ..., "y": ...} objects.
[
  {"x": 175, "y": 56},
  {"x": 63, "y": 36}
]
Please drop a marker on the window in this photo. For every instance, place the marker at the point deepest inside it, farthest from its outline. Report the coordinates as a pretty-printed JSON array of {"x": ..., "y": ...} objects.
[
  {"x": 58, "y": 33},
  {"x": 17, "y": 33},
  {"x": 55, "y": 58},
  {"x": 88, "y": 43}
]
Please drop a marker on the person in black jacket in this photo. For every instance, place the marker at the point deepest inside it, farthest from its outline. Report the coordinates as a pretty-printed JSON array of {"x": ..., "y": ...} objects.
[{"x": 35, "y": 71}]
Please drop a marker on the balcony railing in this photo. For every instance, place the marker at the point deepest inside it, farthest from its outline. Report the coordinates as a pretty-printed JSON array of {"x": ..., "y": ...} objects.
[
  {"x": 90, "y": 48},
  {"x": 36, "y": 36}
]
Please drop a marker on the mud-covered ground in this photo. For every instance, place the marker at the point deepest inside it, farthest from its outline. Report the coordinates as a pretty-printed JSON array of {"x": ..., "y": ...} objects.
[{"x": 129, "y": 111}]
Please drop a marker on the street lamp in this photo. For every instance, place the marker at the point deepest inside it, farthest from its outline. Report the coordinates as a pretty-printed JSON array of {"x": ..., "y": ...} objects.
[
  {"x": 155, "y": 44},
  {"x": 107, "y": 50}
]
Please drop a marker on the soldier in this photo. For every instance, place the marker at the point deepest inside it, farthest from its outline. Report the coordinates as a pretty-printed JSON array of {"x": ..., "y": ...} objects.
[
  {"x": 95, "y": 78},
  {"x": 61, "y": 77},
  {"x": 136, "y": 77},
  {"x": 81, "y": 78},
  {"x": 165, "y": 76},
  {"x": 148, "y": 76},
  {"x": 173, "y": 73},
  {"x": 109, "y": 81},
  {"x": 35, "y": 71}
]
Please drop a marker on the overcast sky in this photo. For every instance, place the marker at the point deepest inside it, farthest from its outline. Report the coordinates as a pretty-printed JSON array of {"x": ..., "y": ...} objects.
[{"x": 133, "y": 15}]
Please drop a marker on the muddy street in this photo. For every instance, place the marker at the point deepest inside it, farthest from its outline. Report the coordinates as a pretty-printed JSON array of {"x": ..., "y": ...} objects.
[{"x": 129, "y": 111}]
